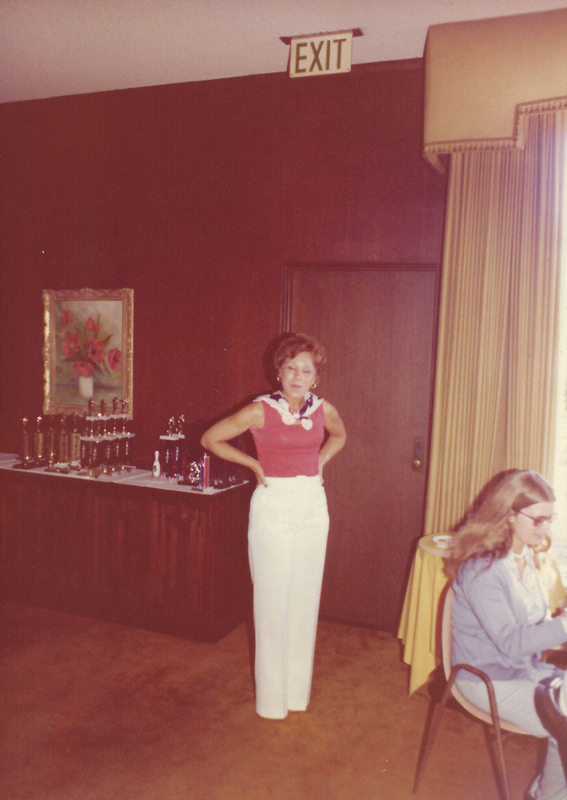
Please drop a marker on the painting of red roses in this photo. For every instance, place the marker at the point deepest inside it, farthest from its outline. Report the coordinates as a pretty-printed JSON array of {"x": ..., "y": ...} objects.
[{"x": 88, "y": 348}]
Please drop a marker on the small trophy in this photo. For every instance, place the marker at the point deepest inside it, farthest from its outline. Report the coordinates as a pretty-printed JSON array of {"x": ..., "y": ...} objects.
[
  {"x": 27, "y": 461},
  {"x": 63, "y": 443},
  {"x": 39, "y": 444},
  {"x": 75, "y": 445},
  {"x": 27, "y": 456},
  {"x": 50, "y": 444},
  {"x": 192, "y": 476},
  {"x": 115, "y": 417}
]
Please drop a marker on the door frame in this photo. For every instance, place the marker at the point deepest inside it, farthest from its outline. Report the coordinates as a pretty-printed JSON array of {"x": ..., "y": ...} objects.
[{"x": 287, "y": 274}]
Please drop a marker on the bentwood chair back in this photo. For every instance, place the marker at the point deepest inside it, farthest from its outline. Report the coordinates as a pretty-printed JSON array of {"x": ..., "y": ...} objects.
[{"x": 499, "y": 726}]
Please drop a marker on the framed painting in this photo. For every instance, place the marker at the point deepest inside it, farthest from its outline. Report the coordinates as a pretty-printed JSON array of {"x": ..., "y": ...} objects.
[{"x": 88, "y": 349}]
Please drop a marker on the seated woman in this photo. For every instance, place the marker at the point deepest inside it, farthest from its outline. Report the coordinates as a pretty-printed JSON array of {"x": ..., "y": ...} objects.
[{"x": 500, "y": 614}]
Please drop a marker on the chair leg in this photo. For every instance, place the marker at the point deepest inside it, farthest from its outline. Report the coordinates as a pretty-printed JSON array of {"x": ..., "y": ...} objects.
[
  {"x": 502, "y": 771},
  {"x": 497, "y": 761},
  {"x": 431, "y": 726}
]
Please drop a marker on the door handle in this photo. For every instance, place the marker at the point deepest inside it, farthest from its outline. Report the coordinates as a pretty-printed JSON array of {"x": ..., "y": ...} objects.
[{"x": 418, "y": 453}]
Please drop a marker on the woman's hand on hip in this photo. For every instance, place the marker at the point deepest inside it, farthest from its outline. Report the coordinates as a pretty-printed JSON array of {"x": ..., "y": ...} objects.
[{"x": 259, "y": 472}]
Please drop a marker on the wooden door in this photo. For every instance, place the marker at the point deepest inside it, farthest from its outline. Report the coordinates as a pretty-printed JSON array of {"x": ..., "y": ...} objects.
[{"x": 377, "y": 325}]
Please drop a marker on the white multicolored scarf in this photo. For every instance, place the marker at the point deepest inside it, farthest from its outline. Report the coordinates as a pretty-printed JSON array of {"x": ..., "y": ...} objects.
[{"x": 289, "y": 417}]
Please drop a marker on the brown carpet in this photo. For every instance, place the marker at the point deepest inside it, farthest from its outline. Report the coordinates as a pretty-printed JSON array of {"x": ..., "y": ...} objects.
[{"x": 94, "y": 711}]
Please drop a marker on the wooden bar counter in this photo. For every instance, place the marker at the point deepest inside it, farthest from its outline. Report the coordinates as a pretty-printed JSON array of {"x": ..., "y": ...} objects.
[{"x": 130, "y": 549}]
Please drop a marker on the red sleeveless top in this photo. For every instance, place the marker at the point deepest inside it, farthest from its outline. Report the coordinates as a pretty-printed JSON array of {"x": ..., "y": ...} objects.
[{"x": 285, "y": 451}]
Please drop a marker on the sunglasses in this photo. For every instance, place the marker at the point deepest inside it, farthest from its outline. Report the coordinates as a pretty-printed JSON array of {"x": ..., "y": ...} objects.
[{"x": 538, "y": 521}]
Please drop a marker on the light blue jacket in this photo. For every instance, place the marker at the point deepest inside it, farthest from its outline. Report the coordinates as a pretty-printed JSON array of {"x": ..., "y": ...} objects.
[{"x": 490, "y": 623}]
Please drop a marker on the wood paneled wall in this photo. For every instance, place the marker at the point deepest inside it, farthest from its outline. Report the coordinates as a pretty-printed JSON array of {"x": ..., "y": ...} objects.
[{"x": 196, "y": 195}]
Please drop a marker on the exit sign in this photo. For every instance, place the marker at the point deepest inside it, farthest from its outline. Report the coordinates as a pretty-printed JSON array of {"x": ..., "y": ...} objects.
[{"x": 320, "y": 54}]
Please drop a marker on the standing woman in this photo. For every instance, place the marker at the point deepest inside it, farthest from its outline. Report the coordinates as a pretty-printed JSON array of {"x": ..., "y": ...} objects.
[
  {"x": 296, "y": 434},
  {"x": 501, "y": 619}
]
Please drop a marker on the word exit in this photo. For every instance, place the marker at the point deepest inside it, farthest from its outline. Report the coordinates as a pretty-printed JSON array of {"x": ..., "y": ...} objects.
[{"x": 320, "y": 55}]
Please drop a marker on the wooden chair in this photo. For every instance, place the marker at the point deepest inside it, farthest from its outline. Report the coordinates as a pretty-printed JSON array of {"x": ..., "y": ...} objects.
[{"x": 501, "y": 727}]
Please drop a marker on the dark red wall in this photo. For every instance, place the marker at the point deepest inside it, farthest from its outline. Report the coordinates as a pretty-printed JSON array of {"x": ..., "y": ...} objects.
[{"x": 195, "y": 195}]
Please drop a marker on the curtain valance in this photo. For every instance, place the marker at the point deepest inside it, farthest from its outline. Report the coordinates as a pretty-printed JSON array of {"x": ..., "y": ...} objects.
[{"x": 483, "y": 77}]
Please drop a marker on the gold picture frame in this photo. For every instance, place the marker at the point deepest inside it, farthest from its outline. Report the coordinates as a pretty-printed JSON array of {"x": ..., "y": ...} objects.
[{"x": 88, "y": 349}]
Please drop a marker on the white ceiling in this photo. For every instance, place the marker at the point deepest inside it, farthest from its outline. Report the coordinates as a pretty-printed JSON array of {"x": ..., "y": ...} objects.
[{"x": 58, "y": 47}]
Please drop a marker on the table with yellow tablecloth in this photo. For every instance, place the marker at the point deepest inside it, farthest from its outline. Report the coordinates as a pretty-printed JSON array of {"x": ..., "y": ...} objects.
[{"x": 419, "y": 627}]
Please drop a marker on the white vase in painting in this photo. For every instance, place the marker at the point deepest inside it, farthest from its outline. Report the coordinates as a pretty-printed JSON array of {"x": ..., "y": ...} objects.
[{"x": 86, "y": 386}]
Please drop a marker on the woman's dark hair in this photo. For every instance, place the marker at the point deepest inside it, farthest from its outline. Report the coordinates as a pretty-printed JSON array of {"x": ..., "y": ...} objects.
[{"x": 294, "y": 343}]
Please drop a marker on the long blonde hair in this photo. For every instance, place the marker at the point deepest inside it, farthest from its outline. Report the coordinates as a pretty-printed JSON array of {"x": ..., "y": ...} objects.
[{"x": 486, "y": 530}]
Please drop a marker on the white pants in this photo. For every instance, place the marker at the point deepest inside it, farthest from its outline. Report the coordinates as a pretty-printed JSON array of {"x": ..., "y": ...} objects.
[
  {"x": 515, "y": 700},
  {"x": 287, "y": 538}
]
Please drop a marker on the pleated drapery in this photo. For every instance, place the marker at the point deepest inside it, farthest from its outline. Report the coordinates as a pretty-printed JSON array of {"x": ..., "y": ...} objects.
[{"x": 496, "y": 376}]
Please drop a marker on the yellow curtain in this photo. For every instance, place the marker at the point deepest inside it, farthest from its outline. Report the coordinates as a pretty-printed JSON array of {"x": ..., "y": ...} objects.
[{"x": 498, "y": 338}]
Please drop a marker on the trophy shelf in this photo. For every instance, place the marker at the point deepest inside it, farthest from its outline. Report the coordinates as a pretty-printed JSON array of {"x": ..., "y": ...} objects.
[{"x": 171, "y": 561}]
